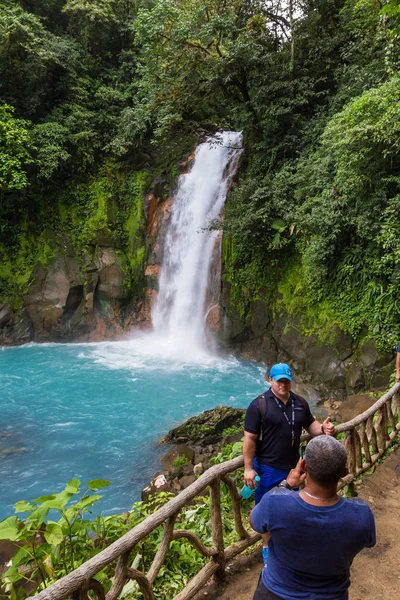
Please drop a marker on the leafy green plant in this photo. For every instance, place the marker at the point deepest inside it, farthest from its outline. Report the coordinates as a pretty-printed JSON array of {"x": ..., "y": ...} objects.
[
  {"x": 234, "y": 430},
  {"x": 228, "y": 452},
  {"x": 180, "y": 461},
  {"x": 16, "y": 148},
  {"x": 50, "y": 549}
]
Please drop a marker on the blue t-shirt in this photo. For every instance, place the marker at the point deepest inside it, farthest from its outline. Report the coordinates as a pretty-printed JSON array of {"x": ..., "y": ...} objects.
[
  {"x": 311, "y": 547},
  {"x": 398, "y": 348}
]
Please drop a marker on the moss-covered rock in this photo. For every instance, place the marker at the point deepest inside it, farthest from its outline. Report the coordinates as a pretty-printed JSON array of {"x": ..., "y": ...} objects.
[
  {"x": 79, "y": 275},
  {"x": 208, "y": 428},
  {"x": 266, "y": 318}
]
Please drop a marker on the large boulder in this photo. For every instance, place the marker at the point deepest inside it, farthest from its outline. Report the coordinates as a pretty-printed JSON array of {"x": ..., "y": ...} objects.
[
  {"x": 207, "y": 428},
  {"x": 5, "y": 315},
  {"x": 70, "y": 299},
  {"x": 174, "y": 455},
  {"x": 157, "y": 484}
]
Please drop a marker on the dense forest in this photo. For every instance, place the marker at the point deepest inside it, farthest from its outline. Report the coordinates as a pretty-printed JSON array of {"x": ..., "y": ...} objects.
[{"x": 99, "y": 98}]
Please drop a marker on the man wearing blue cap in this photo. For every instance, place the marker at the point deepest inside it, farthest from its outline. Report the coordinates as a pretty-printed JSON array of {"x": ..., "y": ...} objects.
[{"x": 272, "y": 428}]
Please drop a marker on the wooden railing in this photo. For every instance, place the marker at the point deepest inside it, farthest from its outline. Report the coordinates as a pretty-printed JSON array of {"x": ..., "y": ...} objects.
[
  {"x": 366, "y": 439},
  {"x": 369, "y": 435}
]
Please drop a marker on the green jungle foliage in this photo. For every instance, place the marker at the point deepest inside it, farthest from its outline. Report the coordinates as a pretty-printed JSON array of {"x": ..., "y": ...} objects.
[
  {"x": 57, "y": 535},
  {"x": 99, "y": 99}
]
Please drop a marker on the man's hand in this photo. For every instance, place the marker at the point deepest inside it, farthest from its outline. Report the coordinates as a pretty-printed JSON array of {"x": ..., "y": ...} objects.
[
  {"x": 296, "y": 476},
  {"x": 249, "y": 475},
  {"x": 327, "y": 427}
]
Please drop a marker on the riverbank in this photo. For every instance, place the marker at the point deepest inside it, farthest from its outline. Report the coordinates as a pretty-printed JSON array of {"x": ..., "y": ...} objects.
[{"x": 196, "y": 444}]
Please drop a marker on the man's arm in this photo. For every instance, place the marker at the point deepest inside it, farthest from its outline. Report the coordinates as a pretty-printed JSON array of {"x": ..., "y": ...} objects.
[
  {"x": 316, "y": 428},
  {"x": 398, "y": 365},
  {"x": 249, "y": 450}
]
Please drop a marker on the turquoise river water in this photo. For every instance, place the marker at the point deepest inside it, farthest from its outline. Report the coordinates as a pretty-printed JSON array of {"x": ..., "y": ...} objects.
[{"x": 97, "y": 411}]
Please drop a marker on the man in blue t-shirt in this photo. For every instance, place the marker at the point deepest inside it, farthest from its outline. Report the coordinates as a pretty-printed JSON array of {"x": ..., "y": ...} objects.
[{"x": 315, "y": 534}]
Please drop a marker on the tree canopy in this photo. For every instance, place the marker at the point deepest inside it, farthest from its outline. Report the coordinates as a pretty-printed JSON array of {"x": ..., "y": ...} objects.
[{"x": 92, "y": 86}]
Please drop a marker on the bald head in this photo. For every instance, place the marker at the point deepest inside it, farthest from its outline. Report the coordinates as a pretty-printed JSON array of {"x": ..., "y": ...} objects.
[{"x": 326, "y": 460}]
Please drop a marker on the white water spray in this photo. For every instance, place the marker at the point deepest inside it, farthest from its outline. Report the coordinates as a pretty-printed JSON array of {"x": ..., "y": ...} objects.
[{"x": 178, "y": 314}]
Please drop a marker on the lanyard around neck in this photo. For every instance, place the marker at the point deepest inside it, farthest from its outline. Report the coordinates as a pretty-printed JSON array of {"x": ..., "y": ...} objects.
[{"x": 291, "y": 424}]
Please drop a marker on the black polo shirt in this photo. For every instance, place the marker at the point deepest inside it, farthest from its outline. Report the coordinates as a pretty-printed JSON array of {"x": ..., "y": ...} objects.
[{"x": 276, "y": 449}]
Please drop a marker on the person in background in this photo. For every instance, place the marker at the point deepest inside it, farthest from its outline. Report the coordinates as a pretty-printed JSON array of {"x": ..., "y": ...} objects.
[
  {"x": 398, "y": 364},
  {"x": 315, "y": 534},
  {"x": 272, "y": 428}
]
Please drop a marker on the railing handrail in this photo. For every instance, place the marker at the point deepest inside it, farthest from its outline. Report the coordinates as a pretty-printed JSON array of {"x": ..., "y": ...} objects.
[
  {"x": 354, "y": 442},
  {"x": 369, "y": 412},
  {"x": 61, "y": 588},
  {"x": 348, "y": 425}
]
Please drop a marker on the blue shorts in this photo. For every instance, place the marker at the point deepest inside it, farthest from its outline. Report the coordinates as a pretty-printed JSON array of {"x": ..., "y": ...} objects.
[{"x": 269, "y": 478}]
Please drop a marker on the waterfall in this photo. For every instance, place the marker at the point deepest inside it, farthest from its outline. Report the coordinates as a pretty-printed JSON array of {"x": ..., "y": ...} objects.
[{"x": 179, "y": 311}]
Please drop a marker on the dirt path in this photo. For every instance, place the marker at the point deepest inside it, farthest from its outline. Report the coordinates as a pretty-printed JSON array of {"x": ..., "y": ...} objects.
[{"x": 375, "y": 573}]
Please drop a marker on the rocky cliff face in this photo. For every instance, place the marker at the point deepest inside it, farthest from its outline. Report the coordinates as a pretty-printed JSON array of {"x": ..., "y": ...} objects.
[
  {"x": 334, "y": 368},
  {"x": 72, "y": 300},
  {"x": 157, "y": 211},
  {"x": 105, "y": 291}
]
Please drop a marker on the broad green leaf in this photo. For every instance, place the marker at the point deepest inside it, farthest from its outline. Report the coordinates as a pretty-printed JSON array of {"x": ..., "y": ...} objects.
[
  {"x": 278, "y": 225},
  {"x": 68, "y": 515},
  {"x": 54, "y": 534},
  {"x": 59, "y": 500},
  {"x": 37, "y": 517},
  {"x": 96, "y": 484},
  {"x": 76, "y": 528},
  {"x": 129, "y": 588},
  {"x": 82, "y": 526},
  {"x": 12, "y": 591},
  {"x": 56, "y": 552},
  {"x": 44, "y": 498},
  {"x": 23, "y": 506},
  {"x": 72, "y": 486},
  {"x": 102, "y": 576},
  {"x": 23, "y": 556},
  {"x": 12, "y": 575},
  {"x": 9, "y": 529},
  {"x": 136, "y": 561},
  {"x": 88, "y": 501}
]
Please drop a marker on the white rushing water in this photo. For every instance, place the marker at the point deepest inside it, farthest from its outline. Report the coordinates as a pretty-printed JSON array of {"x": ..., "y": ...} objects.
[{"x": 179, "y": 313}]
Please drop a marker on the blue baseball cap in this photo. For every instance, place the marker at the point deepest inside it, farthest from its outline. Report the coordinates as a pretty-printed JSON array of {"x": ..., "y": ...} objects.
[{"x": 281, "y": 371}]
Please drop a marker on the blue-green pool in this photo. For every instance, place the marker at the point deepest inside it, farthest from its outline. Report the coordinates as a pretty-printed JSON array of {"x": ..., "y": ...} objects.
[{"x": 97, "y": 411}]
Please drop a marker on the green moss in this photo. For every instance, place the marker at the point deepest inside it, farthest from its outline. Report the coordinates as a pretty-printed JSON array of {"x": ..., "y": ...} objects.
[
  {"x": 135, "y": 220},
  {"x": 281, "y": 285},
  {"x": 231, "y": 274},
  {"x": 248, "y": 281},
  {"x": 234, "y": 430},
  {"x": 317, "y": 319},
  {"x": 17, "y": 266},
  {"x": 106, "y": 210},
  {"x": 85, "y": 213},
  {"x": 133, "y": 231}
]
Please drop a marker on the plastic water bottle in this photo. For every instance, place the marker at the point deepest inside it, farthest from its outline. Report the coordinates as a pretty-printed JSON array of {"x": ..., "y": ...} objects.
[{"x": 247, "y": 491}]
